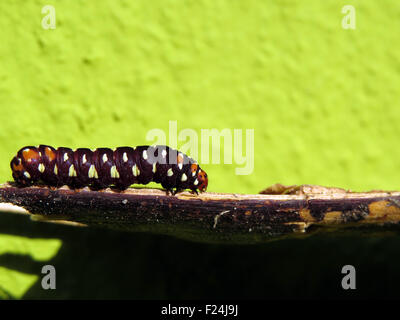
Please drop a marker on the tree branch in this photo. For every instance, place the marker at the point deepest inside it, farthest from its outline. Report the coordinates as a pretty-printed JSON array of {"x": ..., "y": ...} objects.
[{"x": 243, "y": 218}]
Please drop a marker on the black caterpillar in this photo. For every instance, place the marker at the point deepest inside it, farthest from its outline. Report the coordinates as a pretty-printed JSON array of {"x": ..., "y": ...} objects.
[{"x": 104, "y": 167}]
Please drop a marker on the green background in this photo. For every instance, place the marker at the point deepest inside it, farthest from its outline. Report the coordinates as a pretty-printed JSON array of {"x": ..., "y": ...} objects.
[{"x": 322, "y": 100}]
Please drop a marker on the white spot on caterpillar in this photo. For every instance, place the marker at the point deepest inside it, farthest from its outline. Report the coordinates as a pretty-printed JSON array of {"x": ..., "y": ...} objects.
[
  {"x": 105, "y": 158},
  {"x": 144, "y": 154},
  {"x": 184, "y": 177},
  {"x": 170, "y": 172},
  {"x": 41, "y": 167},
  {"x": 180, "y": 166},
  {"x": 84, "y": 159},
  {"x": 193, "y": 173},
  {"x": 26, "y": 174},
  {"x": 196, "y": 182},
  {"x": 125, "y": 157},
  {"x": 55, "y": 170},
  {"x": 65, "y": 157},
  {"x": 164, "y": 153},
  {"x": 92, "y": 172},
  {"x": 114, "y": 172},
  {"x": 135, "y": 170},
  {"x": 154, "y": 167},
  {"x": 71, "y": 171}
]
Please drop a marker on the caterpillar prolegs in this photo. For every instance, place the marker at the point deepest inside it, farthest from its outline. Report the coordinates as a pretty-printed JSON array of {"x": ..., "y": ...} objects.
[{"x": 104, "y": 167}]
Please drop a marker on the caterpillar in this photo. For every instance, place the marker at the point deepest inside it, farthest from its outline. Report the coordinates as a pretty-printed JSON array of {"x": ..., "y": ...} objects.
[{"x": 105, "y": 167}]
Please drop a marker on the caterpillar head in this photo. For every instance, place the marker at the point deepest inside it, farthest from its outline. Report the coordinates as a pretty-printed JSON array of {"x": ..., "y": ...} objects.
[{"x": 203, "y": 180}]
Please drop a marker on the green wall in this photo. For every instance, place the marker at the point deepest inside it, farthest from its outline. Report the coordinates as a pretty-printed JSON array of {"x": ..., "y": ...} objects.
[{"x": 323, "y": 101}]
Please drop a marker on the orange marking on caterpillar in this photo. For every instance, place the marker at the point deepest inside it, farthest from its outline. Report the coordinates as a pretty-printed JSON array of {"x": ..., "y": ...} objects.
[
  {"x": 50, "y": 154},
  {"x": 193, "y": 167},
  {"x": 18, "y": 167},
  {"x": 30, "y": 154}
]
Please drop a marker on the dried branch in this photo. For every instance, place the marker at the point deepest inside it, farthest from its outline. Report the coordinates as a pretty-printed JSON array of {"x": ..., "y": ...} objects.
[{"x": 243, "y": 218}]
